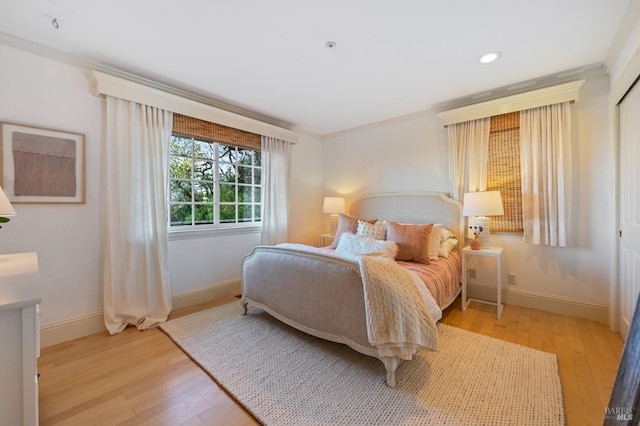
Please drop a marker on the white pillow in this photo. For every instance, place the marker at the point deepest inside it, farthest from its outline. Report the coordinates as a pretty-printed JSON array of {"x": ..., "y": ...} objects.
[
  {"x": 446, "y": 234},
  {"x": 446, "y": 247},
  {"x": 371, "y": 230},
  {"x": 350, "y": 243},
  {"x": 434, "y": 241}
]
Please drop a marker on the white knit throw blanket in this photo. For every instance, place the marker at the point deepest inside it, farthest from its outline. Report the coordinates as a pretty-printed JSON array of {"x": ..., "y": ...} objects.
[{"x": 401, "y": 313}]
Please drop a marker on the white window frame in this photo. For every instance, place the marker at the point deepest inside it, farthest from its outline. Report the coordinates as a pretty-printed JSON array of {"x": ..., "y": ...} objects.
[{"x": 216, "y": 228}]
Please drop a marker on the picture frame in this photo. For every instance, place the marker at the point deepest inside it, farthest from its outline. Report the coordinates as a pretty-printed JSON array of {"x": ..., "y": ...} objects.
[{"x": 40, "y": 165}]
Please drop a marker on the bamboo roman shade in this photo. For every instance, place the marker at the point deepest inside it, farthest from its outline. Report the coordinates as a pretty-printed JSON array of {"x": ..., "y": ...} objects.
[
  {"x": 505, "y": 122},
  {"x": 503, "y": 170},
  {"x": 190, "y": 127}
]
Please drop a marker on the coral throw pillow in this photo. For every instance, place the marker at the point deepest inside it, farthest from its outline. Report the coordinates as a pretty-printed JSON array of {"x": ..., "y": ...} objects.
[{"x": 412, "y": 240}]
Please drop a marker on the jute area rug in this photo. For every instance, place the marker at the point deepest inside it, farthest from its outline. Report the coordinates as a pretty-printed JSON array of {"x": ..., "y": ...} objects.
[{"x": 286, "y": 377}]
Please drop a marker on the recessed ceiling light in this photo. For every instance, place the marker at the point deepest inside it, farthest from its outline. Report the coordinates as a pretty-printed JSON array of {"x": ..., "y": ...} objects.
[
  {"x": 331, "y": 44},
  {"x": 489, "y": 57}
]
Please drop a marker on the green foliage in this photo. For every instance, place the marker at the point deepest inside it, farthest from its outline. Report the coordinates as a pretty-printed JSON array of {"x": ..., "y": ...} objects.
[{"x": 194, "y": 181}]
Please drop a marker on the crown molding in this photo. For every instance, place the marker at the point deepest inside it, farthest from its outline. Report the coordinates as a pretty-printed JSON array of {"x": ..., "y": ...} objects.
[{"x": 69, "y": 59}]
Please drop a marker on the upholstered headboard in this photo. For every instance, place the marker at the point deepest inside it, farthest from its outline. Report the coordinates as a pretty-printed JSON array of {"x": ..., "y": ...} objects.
[{"x": 413, "y": 207}]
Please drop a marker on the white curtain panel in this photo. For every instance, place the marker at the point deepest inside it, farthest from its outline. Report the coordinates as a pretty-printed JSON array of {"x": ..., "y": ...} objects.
[
  {"x": 545, "y": 158},
  {"x": 136, "y": 276},
  {"x": 276, "y": 155},
  {"x": 468, "y": 156}
]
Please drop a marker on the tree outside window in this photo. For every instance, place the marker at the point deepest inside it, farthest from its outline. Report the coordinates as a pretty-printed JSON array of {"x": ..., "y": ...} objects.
[{"x": 213, "y": 184}]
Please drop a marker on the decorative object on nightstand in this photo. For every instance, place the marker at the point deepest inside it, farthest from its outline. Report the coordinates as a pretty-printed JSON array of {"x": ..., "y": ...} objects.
[
  {"x": 495, "y": 252},
  {"x": 482, "y": 204},
  {"x": 333, "y": 206},
  {"x": 475, "y": 244},
  {"x": 6, "y": 209}
]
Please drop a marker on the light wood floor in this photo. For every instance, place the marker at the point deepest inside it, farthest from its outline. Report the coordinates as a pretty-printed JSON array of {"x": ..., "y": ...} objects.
[{"x": 143, "y": 378}]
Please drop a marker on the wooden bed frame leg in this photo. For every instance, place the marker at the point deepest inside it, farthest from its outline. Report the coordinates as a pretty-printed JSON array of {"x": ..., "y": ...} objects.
[{"x": 390, "y": 364}]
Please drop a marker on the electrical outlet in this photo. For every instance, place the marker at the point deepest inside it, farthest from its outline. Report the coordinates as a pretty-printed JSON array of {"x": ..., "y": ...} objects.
[
  {"x": 511, "y": 278},
  {"x": 472, "y": 273}
]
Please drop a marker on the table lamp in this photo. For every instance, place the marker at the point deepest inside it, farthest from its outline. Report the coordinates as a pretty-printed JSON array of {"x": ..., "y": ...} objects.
[
  {"x": 482, "y": 204},
  {"x": 333, "y": 206},
  {"x": 6, "y": 209}
]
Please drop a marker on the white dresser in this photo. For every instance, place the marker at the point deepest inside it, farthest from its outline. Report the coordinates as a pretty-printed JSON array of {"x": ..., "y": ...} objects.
[{"x": 20, "y": 295}]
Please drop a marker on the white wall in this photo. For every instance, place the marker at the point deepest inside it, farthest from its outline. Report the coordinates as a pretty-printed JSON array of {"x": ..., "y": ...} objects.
[
  {"x": 403, "y": 155},
  {"x": 305, "y": 191},
  {"x": 43, "y": 92},
  {"x": 623, "y": 56},
  {"x": 411, "y": 155}
]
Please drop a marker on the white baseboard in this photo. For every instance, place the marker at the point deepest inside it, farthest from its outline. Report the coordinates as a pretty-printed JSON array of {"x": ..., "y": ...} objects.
[
  {"x": 63, "y": 331},
  {"x": 206, "y": 294},
  {"x": 74, "y": 328},
  {"x": 543, "y": 302}
]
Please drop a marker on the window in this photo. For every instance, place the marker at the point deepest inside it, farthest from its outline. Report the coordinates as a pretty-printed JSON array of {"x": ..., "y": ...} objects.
[
  {"x": 212, "y": 183},
  {"x": 503, "y": 170},
  {"x": 537, "y": 205}
]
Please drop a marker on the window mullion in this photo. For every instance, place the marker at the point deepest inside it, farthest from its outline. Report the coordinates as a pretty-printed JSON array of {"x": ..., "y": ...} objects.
[
  {"x": 193, "y": 182},
  {"x": 236, "y": 164},
  {"x": 216, "y": 185}
]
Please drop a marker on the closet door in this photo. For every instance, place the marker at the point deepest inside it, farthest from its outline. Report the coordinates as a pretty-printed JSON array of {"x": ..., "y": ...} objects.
[{"x": 629, "y": 177}]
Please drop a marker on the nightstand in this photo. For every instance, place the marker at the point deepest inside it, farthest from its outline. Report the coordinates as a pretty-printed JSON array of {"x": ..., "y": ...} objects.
[
  {"x": 495, "y": 252},
  {"x": 326, "y": 239}
]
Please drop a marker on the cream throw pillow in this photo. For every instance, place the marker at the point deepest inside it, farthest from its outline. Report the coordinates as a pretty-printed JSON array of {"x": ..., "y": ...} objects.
[
  {"x": 350, "y": 243},
  {"x": 446, "y": 247},
  {"x": 434, "y": 241},
  {"x": 445, "y": 234},
  {"x": 371, "y": 230}
]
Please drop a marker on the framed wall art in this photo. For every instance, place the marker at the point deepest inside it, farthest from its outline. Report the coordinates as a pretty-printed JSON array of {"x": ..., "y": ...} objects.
[{"x": 42, "y": 165}]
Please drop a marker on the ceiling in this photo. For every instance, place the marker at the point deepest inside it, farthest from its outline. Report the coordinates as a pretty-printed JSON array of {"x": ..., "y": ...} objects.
[{"x": 269, "y": 58}]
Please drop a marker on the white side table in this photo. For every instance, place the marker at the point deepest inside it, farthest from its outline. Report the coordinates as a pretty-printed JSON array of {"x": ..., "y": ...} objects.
[
  {"x": 495, "y": 252},
  {"x": 326, "y": 239}
]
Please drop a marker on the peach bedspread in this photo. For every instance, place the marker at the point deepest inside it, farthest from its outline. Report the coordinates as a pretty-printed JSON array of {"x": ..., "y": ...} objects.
[{"x": 441, "y": 277}]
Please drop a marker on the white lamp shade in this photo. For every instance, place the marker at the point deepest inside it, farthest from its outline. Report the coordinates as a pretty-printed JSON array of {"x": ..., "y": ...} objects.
[
  {"x": 333, "y": 205},
  {"x": 483, "y": 203},
  {"x": 6, "y": 209}
]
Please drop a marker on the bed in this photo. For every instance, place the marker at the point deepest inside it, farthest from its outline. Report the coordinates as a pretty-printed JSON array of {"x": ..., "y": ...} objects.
[{"x": 328, "y": 296}]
